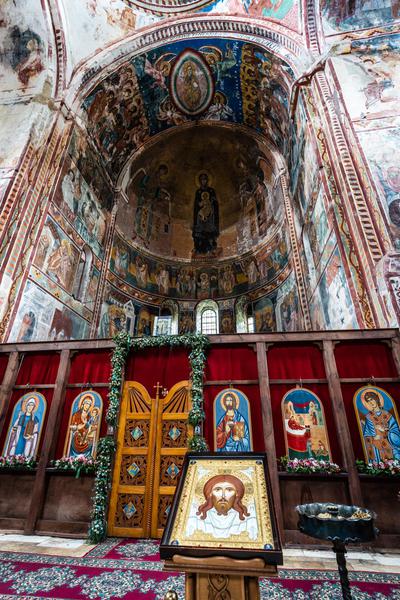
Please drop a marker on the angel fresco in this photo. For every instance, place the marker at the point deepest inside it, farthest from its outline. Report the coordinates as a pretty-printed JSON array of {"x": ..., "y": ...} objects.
[
  {"x": 25, "y": 426},
  {"x": 84, "y": 425},
  {"x": 304, "y": 423},
  {"x": 232, "y": 422},
  {"x": 378, "y": 422}
]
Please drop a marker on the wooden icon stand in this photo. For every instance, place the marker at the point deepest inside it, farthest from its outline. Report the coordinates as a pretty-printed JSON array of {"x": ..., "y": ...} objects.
[{"x": 221, "y": 577}]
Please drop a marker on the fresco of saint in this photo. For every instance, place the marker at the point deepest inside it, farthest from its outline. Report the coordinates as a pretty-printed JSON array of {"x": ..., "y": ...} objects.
[
  {"x": 84, "y": 425},
  {"x": 232, "y": 418},
  {"x": 222, "y": 514},
  {"x": 379, "y": 424},
  {"x": 205, "y": 218},
  {"x": 25, "y": 426},
  {"x": 305, "y": 430}
]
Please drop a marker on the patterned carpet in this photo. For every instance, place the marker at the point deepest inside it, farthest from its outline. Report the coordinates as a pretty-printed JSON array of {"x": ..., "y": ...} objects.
[{"x": 132, "y": 570}]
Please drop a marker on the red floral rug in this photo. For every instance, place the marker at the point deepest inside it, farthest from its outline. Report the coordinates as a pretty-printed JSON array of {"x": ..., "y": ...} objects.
[{"x": 132, "y": 570}]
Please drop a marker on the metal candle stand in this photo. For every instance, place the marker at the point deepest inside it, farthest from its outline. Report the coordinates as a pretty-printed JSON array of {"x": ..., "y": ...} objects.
[{"x": 341, "y": 525}]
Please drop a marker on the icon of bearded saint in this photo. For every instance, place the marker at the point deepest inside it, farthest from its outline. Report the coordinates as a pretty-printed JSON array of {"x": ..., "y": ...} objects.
[{"x": 223, "y": 513}]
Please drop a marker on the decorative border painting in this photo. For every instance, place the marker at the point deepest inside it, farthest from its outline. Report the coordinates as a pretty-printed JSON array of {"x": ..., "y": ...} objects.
[
  {"x": 232, "y": 422},
  {"x": 26, "y": 424},
  {"x": 304, "y": 425},
  {"x": 378, "y": 422},
  {"x": 223, "y": 501},
  {"x": 84, "y": 425}
]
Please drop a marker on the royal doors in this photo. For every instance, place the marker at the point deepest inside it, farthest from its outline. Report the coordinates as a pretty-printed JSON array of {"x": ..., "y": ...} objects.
[{"x": 152, "y": 441}]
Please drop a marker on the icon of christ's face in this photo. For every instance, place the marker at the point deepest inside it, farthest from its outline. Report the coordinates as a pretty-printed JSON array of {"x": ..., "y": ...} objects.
[{"x": 223, "y": 497}]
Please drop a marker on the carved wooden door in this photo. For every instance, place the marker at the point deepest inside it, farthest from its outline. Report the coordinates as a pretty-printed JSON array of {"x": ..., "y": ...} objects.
[
  {"x": 171, "y": 446},
  {"x": 152, "y": 440}
]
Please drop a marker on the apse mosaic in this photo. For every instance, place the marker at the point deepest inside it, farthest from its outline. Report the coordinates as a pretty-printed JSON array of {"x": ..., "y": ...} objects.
[
  {"x": 305, "y": 430},
  {"x": 232, "y": 422},
  {"x": 25, "y": 426},
  {"x": 140, "y": 99},
  {"x": 347, "y": 15},
  {"x": 378, "y": 423},
  {"x": 84, "y": 425},
  {"x": 219, "y": 200}
]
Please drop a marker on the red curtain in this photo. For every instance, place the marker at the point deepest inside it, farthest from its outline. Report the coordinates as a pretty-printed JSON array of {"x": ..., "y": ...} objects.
[
  {"x": 364, "y": 359},
  {"x": 37, "y": 368},
  {"x": 295, "y": 361},
  {"x": 165, "y": 365},
  {"x": 231, "y": 362},
  {"x": 3, "y": 365}
]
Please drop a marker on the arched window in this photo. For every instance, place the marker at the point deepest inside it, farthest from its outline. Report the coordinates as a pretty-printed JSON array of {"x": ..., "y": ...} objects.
[
  {"x": 167, "y": 322},
  {"x": 244, "y": 316},
  {"x": 207, "y": 321},
  {"x": 250, "y": 319}
]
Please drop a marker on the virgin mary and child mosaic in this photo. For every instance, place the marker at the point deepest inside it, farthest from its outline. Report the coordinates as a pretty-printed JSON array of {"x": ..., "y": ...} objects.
[
  {"x": 379, "y": 424},
  {"x": 84, "y": 425},
  {"x": 233, "y": 422},
  {"x": 26, "y": 425},
  {"x": 304, "y": 425}
]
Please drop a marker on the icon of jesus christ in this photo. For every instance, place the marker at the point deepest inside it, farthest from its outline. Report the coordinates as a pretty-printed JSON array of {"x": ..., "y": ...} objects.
[{"x": 223, "y": 513}]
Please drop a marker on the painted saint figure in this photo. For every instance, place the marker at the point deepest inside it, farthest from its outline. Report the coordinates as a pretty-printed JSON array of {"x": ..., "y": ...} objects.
[
  {"x": 84, "y": 425},
  {"x": 25, "y": 427},
  {"x": 223, "y": 513},
  {"x": 232, "y": 431},
  {"x": 205, "y": 218},
  {"x": 306, "y": 435},
  {"x": 380, "y": 430}
]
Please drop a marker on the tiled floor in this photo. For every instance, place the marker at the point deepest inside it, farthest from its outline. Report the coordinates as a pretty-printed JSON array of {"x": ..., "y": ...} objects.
[
  {"x": 38, "y": 544},
  {"x": 378, "y": 561}
]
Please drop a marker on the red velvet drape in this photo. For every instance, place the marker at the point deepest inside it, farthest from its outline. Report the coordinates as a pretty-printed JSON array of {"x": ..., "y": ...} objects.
[{"x": 164, "y": 365}]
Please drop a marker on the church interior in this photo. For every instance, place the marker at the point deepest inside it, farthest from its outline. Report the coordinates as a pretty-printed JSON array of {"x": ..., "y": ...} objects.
[{"x": 199, "y": 253}]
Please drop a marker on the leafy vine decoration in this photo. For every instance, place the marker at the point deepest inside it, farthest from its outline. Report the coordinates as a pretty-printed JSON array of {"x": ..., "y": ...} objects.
[{"x": 106, "y": 448}]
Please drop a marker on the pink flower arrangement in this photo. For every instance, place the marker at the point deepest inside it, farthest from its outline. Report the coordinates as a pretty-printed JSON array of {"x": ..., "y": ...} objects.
[
  {"x": 309, "y": 465},
  {"x": 381, "y": 467},
  {"x": 18, "y": 461}
]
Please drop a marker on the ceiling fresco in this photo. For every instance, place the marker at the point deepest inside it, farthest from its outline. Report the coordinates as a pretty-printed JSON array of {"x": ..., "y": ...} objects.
[
  {"x": 216, "y": 201},
  {"x": 210, "y": 80},
  {"x": 286, "y": 10},
  {"x": 347, "y": 15}
]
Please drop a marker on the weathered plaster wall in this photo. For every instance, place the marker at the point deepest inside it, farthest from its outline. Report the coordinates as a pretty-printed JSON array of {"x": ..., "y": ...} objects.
[{"x": 71, "y": 264}]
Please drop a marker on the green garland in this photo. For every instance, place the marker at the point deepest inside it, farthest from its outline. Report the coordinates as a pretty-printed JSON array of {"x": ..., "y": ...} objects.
[
  {"x": 102, "y": 485},
  {"x": 106, "y": 448}
]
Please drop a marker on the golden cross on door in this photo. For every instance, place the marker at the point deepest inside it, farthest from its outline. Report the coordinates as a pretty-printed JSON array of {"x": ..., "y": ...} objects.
[{"x": 160, "y": 388}]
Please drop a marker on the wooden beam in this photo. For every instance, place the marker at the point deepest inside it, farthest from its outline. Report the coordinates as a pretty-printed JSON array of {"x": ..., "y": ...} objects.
[
  {"x": 237, "y": 338},
  {"x": 49, "y": 443},
  {"x": 7, "y": 386},
  {"x": 231, "y": 382},
  {"x": 342, "y": 426},
  {"x": 268, "y": 429}
]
